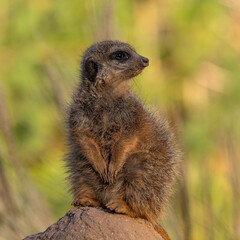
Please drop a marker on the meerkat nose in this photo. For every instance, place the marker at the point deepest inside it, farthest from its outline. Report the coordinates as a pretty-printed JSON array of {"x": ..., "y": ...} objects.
[{"x": 145, "y": 61}]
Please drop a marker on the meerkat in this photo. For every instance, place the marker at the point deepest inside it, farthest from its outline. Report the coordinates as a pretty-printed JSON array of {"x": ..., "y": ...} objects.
[{"x": 122, "y": 157}]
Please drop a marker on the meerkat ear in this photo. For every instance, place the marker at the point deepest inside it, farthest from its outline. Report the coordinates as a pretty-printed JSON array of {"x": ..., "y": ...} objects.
[{"x": 91, "y": 69}]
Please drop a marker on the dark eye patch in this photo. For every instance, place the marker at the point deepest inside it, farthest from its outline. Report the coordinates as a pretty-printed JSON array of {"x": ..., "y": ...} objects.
[{"x": 120, "y": 56}]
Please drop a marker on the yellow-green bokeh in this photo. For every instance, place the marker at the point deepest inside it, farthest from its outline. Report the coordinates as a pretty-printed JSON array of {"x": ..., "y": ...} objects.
[{"x": 194, "y": 76}]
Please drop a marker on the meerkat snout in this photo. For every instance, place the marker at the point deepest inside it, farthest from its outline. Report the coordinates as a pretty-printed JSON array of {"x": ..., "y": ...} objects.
[{"x": 145, "y": 61}]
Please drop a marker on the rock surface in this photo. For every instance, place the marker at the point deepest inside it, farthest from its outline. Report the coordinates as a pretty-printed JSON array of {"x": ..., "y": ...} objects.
[{"x": 97, "y": 223}]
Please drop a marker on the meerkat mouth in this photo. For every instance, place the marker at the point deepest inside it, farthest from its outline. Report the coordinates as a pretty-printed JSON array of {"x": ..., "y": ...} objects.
[{"x": 139, "y": 71}]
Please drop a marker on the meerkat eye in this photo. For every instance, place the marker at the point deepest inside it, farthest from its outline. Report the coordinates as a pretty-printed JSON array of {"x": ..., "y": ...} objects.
[{"x": 120, "y": 55}]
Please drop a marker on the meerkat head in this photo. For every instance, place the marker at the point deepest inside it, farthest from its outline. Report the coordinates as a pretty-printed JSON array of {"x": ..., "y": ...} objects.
[{"x": 108, "y": 63}]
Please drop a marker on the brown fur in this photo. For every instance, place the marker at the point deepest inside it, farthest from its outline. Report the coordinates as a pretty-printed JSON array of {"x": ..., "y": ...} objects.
[{"x": 122, "y": 157}]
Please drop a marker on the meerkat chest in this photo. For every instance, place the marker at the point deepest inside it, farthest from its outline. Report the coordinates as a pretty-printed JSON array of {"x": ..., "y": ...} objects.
[
  {"x": 108, "y": 118},
  {"x": 111, "y": 119},
  {"x": 106, "y": 125}
]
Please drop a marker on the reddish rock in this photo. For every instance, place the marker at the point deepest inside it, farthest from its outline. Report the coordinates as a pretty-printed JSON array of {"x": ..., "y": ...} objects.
[{"x": 96, "y": 223}]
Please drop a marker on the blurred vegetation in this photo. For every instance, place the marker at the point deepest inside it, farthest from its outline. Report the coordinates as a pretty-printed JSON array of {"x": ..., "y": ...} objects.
[{"x": 194, "y": 75}]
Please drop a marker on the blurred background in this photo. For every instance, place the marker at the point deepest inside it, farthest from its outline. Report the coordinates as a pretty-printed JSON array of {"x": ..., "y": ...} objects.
[{"x": 194, "y": 76}]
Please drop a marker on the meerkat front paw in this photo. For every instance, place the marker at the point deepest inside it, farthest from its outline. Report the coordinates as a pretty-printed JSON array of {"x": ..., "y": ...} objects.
[
  {"x": 101, "y": 169},
  {"x": 111, "y": 177},
  {"x": 113, "y": 170}
]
